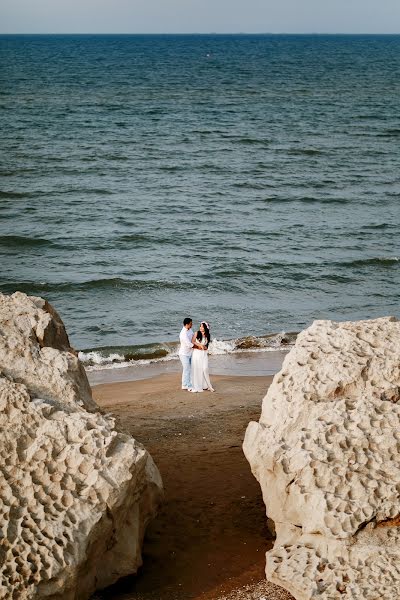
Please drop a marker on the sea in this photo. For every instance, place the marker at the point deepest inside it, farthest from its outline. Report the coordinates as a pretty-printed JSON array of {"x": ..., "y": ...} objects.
[{"x": 249, "y": 180}]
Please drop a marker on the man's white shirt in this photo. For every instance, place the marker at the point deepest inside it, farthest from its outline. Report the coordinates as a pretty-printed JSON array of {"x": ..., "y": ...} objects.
[{"x": 185, "y": 338}]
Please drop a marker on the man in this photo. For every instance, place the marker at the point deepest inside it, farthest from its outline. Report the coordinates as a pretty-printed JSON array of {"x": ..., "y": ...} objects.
[{"x": 185, "y": 352}]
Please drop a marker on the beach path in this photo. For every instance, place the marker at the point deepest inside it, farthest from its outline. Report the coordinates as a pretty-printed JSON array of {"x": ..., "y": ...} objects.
[{"x": 210, "y": 536}]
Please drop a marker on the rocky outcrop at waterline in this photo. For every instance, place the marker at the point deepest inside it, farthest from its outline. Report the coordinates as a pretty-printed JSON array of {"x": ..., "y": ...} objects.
[
  {"x": 326, "y": 452},
  {"x": 75, "y": 494}
]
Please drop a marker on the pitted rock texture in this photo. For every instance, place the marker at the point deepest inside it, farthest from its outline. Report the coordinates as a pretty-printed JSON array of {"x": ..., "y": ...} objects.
[
  {"x": 326, "y": 452},
  {"x": 75, "y": 495},
  {"x": 34, "y": 349}
]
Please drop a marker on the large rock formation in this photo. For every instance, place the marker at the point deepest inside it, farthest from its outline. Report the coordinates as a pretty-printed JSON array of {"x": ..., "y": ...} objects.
[
  {"x": 35, "y": 350},
  {"x": 75, "y": 495},
  {"x": 327, "y": 455}
]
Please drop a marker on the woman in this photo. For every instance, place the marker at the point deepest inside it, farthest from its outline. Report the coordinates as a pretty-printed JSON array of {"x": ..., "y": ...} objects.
[{"x": 200, "y": 377}]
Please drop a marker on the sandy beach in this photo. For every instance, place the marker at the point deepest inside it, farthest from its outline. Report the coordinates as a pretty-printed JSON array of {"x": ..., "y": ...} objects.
[{"x": 210, "y": 538}]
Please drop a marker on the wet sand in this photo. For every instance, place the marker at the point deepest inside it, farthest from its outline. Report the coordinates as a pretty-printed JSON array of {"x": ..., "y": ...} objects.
[{"x": 209, "y": 539}]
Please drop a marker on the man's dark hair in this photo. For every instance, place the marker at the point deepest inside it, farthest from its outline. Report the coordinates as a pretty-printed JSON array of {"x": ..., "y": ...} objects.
[{"x": 187, "y": 321}]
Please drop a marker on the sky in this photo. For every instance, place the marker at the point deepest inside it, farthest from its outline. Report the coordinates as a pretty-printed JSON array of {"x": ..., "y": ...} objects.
[{"x": 200, "y": 16}]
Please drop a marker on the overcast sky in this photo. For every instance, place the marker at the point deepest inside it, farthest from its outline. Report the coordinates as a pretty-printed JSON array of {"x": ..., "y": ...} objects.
[{"x": 202, "y": 16}]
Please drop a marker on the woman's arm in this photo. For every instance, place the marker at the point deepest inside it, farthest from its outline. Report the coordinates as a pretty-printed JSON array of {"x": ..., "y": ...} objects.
[{"x": 196, "y": 342}]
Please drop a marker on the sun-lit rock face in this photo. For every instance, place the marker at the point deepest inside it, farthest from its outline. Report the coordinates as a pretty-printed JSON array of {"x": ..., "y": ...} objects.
[
  {"x": 326, "y": 452},
  {"x": 34, "y": 349},
  {"x": 75, "y": 495}
]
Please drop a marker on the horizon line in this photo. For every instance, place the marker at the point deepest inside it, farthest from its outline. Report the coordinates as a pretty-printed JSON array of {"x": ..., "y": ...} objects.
[{"x": 200, "y": 33}]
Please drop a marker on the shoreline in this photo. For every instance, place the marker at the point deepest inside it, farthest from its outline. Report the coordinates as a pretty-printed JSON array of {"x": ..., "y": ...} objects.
[
  {"x": 241, "y": 364},
  {"x": 209, "y": 538}
]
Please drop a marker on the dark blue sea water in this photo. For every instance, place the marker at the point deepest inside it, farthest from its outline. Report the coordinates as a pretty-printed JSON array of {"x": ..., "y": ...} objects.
[{"x": 250, "y": 180}]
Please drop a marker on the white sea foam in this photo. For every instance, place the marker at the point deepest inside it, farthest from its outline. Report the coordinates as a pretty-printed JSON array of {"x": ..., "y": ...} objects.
[
  {"x": 222, "y": 346},
  {"x": 276, "y": 340},
  {"x": 98, "y": 360},
  {"x": 93, "y": 361}
]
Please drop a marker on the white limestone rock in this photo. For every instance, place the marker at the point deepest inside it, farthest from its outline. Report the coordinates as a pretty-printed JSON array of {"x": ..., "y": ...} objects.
[
  {"x": 75, "y": 495},
  {"x": 34, "y": 349},
  {"x": 326, "y": 452}
]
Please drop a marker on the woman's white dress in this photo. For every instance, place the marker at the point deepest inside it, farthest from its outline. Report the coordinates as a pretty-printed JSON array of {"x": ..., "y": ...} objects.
[{"x": 200, "y": 376}]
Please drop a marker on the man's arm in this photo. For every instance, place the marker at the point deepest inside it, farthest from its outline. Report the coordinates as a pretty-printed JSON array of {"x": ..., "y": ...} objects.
[{"x": 183, "y": 337}]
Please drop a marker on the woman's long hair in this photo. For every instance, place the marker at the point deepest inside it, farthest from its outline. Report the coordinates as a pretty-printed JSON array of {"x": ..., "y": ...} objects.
[{"x": 206, "y": 334}]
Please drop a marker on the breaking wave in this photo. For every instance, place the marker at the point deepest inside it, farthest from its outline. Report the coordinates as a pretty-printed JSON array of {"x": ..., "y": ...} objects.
[{"x": 124, "y": 356}]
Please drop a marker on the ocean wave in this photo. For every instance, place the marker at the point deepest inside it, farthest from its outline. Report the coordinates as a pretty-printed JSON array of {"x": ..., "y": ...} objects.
[
  {"x": 124, "y": 356},
  {"x": 18, "y": 241},
  {"x": 17, "y": 171},
  {"x": 246, "y": 141},
  {"x": 35, "y": 287},
  {"x": 298, "y": 274},
  {"x": 303, "y": 199},
  {"x": 82, "y": 190},
  {"x": 172, "y": 168},
  {"x": 253, "y": 185},
  {"x": 380, "y": 226},
  {"x": 17, "y": 195},
  {"x": 12, "y": 195},
  {"x": 97, "y": 358},
  {"x": 130, "y": 238},
  {"x": 301, "y": 151},
  {"x": 314, "y": 200},
  {"x": 380, "y": 261},
  {"x": 393, "y": 132}
]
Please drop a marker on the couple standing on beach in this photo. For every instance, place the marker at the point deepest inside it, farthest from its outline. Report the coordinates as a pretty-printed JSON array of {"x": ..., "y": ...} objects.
[{"x": 193, "y": 353}]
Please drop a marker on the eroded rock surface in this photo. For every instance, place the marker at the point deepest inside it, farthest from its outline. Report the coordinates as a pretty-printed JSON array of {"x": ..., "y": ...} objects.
[
  {"x": 75, "y": 495},
  {"x": 34, "y": 349},
  {"x": 326, "y": 452}
]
